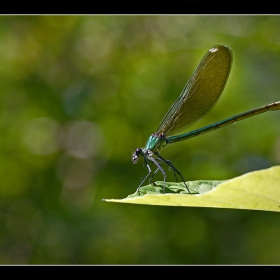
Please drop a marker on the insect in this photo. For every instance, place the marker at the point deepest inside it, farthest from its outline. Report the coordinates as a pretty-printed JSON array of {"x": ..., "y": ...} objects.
[{"x": 198, "y": 97}]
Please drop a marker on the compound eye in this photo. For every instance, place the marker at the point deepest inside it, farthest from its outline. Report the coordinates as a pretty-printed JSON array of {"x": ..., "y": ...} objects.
[{"x": 135, "y": 155}]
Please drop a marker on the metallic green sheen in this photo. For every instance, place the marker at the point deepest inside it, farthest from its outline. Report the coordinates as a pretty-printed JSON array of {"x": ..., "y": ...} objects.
[{"x": 155, "y": 143}]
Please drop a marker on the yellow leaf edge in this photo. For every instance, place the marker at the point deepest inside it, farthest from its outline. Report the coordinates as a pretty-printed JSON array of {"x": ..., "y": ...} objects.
[{"x": 257, "y": 190}]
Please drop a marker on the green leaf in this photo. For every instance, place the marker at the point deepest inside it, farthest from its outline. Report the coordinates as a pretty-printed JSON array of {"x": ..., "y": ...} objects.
[{"x": 258, "y": 190}]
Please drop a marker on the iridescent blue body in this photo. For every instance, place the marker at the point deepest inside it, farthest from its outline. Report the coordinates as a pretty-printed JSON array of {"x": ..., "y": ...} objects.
[
  {"x": 199, "y": 95},
  {"x": 155, "y": 143}
]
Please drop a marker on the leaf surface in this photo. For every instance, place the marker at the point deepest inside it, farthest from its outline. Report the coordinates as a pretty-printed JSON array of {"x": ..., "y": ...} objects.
[{"x": 257, "y": 190}]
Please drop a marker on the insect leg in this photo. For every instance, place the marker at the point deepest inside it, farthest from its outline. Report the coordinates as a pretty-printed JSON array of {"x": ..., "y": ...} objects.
[
  {"x": 172, "y": 166},
  {"x": 162, "y": 171},
  {"x": 149, "y": 172}
]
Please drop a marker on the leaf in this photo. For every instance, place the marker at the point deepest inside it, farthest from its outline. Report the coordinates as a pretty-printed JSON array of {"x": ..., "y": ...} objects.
[{"x": 258, "y": 190}]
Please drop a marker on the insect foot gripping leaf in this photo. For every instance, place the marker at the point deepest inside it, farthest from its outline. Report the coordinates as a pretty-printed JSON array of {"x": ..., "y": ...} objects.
[
  {"x": 198, "y": 97},
  {"x": 258, "y": 190}
]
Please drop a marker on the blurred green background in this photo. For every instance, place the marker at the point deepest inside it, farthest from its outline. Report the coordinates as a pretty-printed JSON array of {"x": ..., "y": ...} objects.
[{"x": 80, "y": 93}]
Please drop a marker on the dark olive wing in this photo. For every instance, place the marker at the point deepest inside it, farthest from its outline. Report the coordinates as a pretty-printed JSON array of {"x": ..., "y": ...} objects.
[{"x": 201, "y": 92}]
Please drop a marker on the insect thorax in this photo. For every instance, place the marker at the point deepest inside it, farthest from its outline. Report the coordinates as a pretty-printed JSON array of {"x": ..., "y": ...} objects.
[{"x": 155, "y": 142}]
